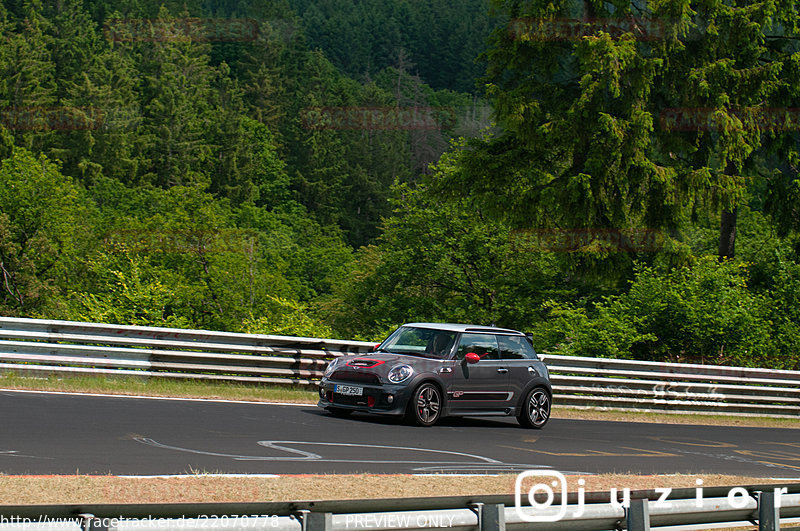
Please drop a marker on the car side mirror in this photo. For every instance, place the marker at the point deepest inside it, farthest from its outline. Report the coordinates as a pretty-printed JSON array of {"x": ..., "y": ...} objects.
[
  {"x": 472, "y": 358},
  {"x": 376, "y": 347}
]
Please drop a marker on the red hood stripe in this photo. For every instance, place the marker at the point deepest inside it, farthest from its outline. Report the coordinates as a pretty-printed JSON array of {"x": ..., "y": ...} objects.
[{"x": 359, "y": 361}]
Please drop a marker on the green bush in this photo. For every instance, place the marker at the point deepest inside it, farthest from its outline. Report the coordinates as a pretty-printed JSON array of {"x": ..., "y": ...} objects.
[{"x": 705, "y": 313}]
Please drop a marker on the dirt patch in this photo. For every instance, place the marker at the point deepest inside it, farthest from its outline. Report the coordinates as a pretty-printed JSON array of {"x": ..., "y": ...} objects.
[{"x": 35, "y": 490}]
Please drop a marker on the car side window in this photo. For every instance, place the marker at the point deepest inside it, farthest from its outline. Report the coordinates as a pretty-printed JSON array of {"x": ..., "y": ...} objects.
[
  {"x": 440, "y": 344},
  {"x": 484, "y": 345},
  {"x": 515, "y": 348}
]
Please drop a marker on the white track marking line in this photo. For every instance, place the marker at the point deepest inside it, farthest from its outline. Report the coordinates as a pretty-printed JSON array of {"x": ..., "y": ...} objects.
[
  {"x": 273, "y": 444},
  {"x": 15, "y": 453},
  {"x": 300, "y": 455}
]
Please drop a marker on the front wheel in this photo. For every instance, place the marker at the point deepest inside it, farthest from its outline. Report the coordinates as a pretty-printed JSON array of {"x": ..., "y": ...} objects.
[
  {"x": 425, "y": 406},
  {"x": 535, "y": 410}
]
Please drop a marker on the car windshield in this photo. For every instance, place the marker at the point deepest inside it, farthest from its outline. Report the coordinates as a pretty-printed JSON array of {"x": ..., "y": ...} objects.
[{"x": 426, "y": 342}]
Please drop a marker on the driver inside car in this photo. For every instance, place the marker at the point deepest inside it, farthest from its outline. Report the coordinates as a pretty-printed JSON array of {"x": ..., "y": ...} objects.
[{"x": 440, "y": 344}]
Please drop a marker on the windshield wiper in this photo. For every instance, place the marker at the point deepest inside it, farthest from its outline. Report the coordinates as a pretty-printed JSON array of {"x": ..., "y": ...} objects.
[{"x": 418, "y": 353}]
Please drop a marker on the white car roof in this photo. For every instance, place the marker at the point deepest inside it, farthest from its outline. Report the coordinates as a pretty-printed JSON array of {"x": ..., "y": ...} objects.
[{"x": 455, "y": 327}]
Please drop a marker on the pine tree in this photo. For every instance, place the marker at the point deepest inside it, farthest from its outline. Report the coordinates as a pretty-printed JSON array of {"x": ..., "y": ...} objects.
[
  {"x": 727, "y": 68},
  {"x": 574, "y": 150},
  {"x": 28, "y": 89},
  {"x": 177, "y": 105}
]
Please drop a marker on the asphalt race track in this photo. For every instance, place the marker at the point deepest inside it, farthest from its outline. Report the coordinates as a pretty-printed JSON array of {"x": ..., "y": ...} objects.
[{"x": 50, "y": 433}]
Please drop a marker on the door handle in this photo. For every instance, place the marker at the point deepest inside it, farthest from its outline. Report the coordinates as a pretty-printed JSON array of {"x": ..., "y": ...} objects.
[{"x": 502, "y": 370}]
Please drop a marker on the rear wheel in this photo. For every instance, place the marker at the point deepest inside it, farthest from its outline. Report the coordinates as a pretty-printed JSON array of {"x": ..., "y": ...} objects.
[
  {"x": 535, "y": 410},
  {"x": 425, "y": 406}
]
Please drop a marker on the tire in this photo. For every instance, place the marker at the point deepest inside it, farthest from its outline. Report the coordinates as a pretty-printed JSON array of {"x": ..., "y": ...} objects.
[
  {"x": 425, "y": 406},
  {"x": 338, "y": 412},
  {"x": 535, "y": 410}
]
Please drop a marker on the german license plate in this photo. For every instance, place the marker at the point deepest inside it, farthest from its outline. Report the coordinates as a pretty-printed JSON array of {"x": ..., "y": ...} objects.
[{"x": 349, "y": 390}]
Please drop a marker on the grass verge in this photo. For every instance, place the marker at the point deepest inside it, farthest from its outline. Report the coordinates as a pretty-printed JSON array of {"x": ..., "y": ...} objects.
[
  {"x": 166, "y": 387},
  {"x": 673, "y": 418}
]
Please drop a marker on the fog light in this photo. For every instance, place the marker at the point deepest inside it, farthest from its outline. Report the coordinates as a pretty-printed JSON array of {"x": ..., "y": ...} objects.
[
  {"x": 390, "y": 399},
  {"x": 321, "y": 392},
  {"x": 370, "y": 401}
]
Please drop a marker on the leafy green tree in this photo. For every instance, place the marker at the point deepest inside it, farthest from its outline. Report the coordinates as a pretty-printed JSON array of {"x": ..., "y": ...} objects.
[
  {"x": 288, "y": 318},
  {"x": 442, "y": 261},
  {"x": 197, "y": 260},
  {"x": 254, "y": 172},
  {"x": 128, "y": 290},
  {"x": 703, "y": 314},
  {"x": 44, "y": 223},
  {"x": 309, "y": 257},
  {"x": 783, "y": 200}
]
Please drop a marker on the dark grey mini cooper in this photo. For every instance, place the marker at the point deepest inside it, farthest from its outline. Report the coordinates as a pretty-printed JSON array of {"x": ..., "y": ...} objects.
[{"x": 426, "y": 371}]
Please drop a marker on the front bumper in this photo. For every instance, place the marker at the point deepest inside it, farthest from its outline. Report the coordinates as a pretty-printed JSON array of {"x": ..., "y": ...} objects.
[{"x": 382, "y": 399}]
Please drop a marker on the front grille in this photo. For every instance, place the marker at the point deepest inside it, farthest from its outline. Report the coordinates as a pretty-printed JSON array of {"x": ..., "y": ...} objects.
[
  {"x": 372, "y": 398},
  {"x": 349, "y": 400},
  {"x": 355, "y": 377}
]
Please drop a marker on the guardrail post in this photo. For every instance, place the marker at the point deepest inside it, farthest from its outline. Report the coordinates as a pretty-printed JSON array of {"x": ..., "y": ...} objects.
[
  {"x": 90, "y": 523},
  {"x": 315, "y": 521},
  {"x": 638, "y": 516},
  {"x": 491, "y": 517},
  {"x": 769, "y": 513}
]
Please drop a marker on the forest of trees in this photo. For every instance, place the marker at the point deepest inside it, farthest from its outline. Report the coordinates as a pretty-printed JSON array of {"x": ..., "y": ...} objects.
[{"x": 240, "y": 165}]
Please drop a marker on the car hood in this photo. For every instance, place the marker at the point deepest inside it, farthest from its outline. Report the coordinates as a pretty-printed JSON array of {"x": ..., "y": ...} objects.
[{"x": 382, "y": 362}]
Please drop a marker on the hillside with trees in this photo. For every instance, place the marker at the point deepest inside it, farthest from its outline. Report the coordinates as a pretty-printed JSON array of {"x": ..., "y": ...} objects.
[{"x": 337, "y": 168}]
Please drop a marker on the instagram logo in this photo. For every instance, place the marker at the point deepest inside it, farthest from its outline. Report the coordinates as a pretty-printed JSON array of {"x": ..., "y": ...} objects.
[{"x": 537, "y": 511}]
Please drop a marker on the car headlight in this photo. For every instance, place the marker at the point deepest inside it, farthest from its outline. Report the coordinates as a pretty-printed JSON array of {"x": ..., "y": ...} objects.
[
  {"x": 400, "y": 373},
  {"x": 331, "y": 367}
]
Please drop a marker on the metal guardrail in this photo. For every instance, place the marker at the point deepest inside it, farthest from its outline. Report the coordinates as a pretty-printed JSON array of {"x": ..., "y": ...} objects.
[
  {"x": 677, "y": 387},
  {"x": 765, "y": 504},
  {"x": 41, "y": 347},
  {"x": 34, "y": 346}
]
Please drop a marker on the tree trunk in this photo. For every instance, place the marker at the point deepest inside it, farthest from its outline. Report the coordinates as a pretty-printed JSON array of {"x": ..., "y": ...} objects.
[
  {"x": 727, "y": 225},
  {"x": 727, "y": 234}
]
